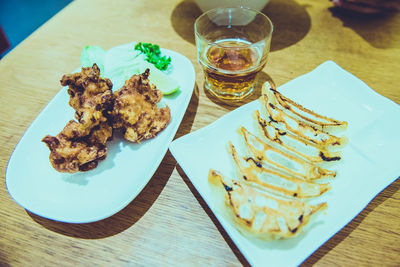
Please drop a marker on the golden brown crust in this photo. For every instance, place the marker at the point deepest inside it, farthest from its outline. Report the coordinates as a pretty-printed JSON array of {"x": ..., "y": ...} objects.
[
  {"x": 295, "y": 144},
  {"x": 301, "y": 128},
  {"x": 90, "y": 96},
  {"x": 322, "y": 122},
  {"x": 278, "y": 168},
  {"x": 302, "y": 122},
  {"x": 135, "y": 109},
  {"x": 260, "y": 214},
  {"x": 269, "y": 155},
  {"x": 274, "y": 180},
  {"x": 81, "y": 144},
  {"x": 80, "y": 153}
]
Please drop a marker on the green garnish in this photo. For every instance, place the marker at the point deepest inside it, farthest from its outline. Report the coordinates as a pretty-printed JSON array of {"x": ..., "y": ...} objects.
[{"x": 153, "y": 55}]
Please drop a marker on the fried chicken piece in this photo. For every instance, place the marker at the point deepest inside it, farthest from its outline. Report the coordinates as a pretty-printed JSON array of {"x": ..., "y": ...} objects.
[
  {"x": 70, "y": 152},
  {"x": 135, "y": 109},
  {"x": 80, "y": 145},
  {"x": 91, "y": 96}
]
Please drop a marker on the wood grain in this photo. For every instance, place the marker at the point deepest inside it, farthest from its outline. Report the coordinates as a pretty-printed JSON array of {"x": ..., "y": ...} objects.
[{"x": 169, "y": 223}]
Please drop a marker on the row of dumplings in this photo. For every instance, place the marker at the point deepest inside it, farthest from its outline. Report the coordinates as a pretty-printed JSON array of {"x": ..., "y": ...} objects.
[{"x": 279, "y": 168}]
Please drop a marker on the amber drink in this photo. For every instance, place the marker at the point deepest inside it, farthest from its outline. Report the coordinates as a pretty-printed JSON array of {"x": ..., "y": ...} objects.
[{"x": 232, "y": 46}]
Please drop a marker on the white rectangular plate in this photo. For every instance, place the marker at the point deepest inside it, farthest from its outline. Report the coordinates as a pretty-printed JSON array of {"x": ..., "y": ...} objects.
[
  {"x": 370, "y": 160},
  {"x": 100, "y": 193}
]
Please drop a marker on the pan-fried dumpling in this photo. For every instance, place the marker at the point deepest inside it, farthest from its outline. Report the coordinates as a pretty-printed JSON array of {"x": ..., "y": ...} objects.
[
  {"x": 279, "y": 167},
  {"x": 310, "y": 129},
  {"x": 258, "y": 213},
  {"x": 275, "y": 181},
  {"x": 267, "y": 154},
  {"x": 295, "y": 144},
  {"x": 301, "y": 113}
]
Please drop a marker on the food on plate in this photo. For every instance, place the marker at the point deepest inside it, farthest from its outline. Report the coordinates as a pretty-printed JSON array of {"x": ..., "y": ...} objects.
[
  {"x": 279, "y": 168},
  {"x": 295, "y": 144},
  {"x": 258, "y": 213},
  {"x": 92, "y": 54},
  {"x": 299, "y": 112},
  {"x": 135, "y": 109},
  {"x": 273, "y": 180},
  {"x": 121, "y": 62},
  {"x": 166, "y": 84},
  {"x": 316, "y": 128},
  {"x": 90, "y": 96},
  {"x": 81, "y": 144},
  {"x": 153, "y": 55},
  {"x": 265, "y": 154},
  {"x": 70, "y": 152},
  {"x": 132, "y": 109}
]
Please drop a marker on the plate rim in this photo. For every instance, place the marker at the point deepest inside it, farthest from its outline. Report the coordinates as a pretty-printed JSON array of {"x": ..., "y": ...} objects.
[
  {"x": 184, "y": 103},
  {"x": 174, "y": 148}
]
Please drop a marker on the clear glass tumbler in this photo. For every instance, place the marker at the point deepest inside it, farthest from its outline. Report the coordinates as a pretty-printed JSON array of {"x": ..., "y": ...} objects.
[{"x": 232, "y": 47}]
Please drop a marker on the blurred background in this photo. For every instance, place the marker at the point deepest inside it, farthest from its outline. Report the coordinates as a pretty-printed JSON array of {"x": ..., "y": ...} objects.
[{"x": 19, "y": 18}]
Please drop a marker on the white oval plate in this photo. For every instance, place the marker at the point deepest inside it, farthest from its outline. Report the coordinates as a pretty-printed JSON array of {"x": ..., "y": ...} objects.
[{"x": 102, "y": 192}]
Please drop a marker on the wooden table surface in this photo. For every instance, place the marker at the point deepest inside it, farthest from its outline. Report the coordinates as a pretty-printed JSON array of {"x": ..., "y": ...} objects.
[{"x": 169, "y": 223}]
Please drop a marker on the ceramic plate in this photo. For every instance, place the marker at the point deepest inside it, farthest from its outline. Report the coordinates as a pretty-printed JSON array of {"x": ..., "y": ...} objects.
[
  {"x": 370, "y": 160},
  {"x": 100, "y": 193}
]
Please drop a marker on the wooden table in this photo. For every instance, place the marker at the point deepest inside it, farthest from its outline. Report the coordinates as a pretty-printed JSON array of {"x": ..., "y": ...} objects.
[{"x": 169, "y": 223}]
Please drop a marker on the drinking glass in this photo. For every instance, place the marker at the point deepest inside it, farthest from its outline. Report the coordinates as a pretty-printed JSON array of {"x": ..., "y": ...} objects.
[{"x": 232, "y": 48}]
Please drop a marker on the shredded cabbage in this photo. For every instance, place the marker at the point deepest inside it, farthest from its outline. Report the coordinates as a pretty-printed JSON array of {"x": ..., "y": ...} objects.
[{"x": 121, "y": 62}]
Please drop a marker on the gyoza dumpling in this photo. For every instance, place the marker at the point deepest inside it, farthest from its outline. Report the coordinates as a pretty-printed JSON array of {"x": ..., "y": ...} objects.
[
  {"x": 288, "y": 141},
  {"x": 275, "y": 181},
  {"x": 260, "y": 214},
  {"x": 306, "y": 124},
  {"x": 266, "y": 154}
]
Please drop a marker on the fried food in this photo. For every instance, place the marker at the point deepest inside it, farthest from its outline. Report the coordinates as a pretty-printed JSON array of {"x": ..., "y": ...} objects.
[
  {"x": 135, "y": 110},
  {"x": 295, "y": 144},
  {"x": 295, "y": 110},
  {"x": 260, "y": 214},
  {"x": 132, "y": 109},
  {"x": 306, "y": 124},
  {"x": 275, "y": 181},
  {"x": 268, "y": 155},
  {"x": 70, "y": 152},
  {"x": 278, "y": 168},
  {"x": 90, "y": 96},
  {"x": 81, "y": 144}
]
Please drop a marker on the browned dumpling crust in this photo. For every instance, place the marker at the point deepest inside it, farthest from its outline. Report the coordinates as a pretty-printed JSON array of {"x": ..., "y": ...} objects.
[
  {"x": 274, "y": 180},
  {"x": 260, "y": 214},
  {"x": 280, "y": 166}
]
